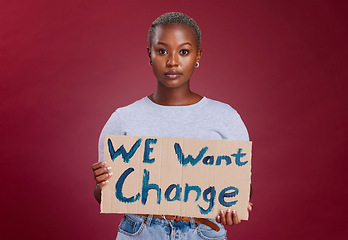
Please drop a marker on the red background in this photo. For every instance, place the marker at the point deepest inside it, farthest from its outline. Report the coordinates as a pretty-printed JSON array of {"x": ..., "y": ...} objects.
[{"x": 65, "y": 66}]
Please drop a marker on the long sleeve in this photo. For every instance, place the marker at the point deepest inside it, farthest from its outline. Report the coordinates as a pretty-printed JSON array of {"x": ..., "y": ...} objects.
[{"x": 113, "y": 127}]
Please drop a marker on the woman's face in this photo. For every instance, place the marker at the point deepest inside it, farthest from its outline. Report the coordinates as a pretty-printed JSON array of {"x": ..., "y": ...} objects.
[{"x": 173, "y": 54}]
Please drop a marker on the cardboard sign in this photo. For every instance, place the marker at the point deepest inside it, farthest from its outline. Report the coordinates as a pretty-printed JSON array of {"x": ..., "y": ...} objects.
[{"x": 176, "y": 176}]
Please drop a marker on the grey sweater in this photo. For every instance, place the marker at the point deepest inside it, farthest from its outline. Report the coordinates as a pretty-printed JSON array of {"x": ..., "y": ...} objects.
[{"x": 207, "y": 119}]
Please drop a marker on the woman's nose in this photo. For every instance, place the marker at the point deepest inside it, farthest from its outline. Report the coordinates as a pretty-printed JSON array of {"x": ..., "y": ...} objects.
[{"x": 172, "y": 60}]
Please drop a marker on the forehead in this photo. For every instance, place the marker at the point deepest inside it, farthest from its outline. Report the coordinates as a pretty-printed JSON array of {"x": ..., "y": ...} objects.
[{"x": 174, "y": 32}]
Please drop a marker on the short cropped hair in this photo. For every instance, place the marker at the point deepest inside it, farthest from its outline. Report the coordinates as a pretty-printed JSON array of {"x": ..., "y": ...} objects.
[{"x": 175, "y": 17}]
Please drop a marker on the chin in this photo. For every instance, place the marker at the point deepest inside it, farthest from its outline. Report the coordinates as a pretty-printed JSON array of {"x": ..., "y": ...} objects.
[{"x": 173, "y": 84}]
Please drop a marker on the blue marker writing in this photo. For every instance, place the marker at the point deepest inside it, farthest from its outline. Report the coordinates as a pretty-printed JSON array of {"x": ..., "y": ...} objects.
[
  {"x": 119, "y": 187},
  {"x": 146, "y": 187},
  {"x": 223, "y": 194},
  {"x": 149, "y": 150},
  {"x": 212, "y": 192},
  {"x": 177, "y": 196},
  {"x": 238, "y": 156},
  {"x": 189, "y": 159},
  {"x": 122, "y": 151}
]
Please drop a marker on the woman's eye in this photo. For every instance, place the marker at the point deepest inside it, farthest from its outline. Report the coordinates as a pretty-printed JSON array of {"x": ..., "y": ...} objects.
[
  {"x": 184, "y": 52},
  {"x": 162, "y": 51}
]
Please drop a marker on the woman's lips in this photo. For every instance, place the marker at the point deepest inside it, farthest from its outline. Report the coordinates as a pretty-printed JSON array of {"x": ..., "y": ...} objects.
[{"x": 172, "y": 74}]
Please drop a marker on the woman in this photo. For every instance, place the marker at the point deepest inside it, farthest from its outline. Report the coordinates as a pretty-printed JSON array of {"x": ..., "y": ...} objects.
[{"x": 173, "y": 110}]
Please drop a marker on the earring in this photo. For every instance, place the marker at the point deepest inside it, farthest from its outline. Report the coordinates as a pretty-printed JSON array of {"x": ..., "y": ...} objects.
[
  {"x": 197, "y": 65},
  {"x": 150, "y": 63}
]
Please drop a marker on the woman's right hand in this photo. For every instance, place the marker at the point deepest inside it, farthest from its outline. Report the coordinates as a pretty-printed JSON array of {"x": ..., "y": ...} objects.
[{"x": 101, "y": 174}]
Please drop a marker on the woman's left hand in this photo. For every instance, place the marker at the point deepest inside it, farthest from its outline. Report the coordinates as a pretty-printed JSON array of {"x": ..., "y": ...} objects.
[{"x": 231, "y": 217}]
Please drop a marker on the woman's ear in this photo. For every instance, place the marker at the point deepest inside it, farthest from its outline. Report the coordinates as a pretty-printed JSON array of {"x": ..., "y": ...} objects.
[
  {"x": 199, "y": 55},
  {"x": 149, "y": 52}
]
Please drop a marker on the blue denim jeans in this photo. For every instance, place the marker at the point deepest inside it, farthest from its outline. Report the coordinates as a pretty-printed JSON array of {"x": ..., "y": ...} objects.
[{"x": 133, "y": 226}]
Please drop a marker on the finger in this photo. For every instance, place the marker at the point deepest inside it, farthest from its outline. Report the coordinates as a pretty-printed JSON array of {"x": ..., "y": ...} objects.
[
  {"x": 101, "y": 171},
  {"x": 235, "y": 218},
  {"x": 98, "y": 165},
  {"x": 222, "y": 217},
  {"x": 103, "y": 177},
  {"x": 218, "y": 219},
  {"x": 250, "y": 207},
  {"x": 102, "y": 184},
  {"x": 229, "y": 220}
]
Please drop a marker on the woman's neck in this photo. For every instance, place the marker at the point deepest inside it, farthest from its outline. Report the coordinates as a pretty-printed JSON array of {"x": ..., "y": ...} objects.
[{"x": 174, "y": 97}]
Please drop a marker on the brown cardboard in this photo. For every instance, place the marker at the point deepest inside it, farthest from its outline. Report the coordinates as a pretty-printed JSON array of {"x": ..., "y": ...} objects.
[{"x": 166, "y": 170}]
